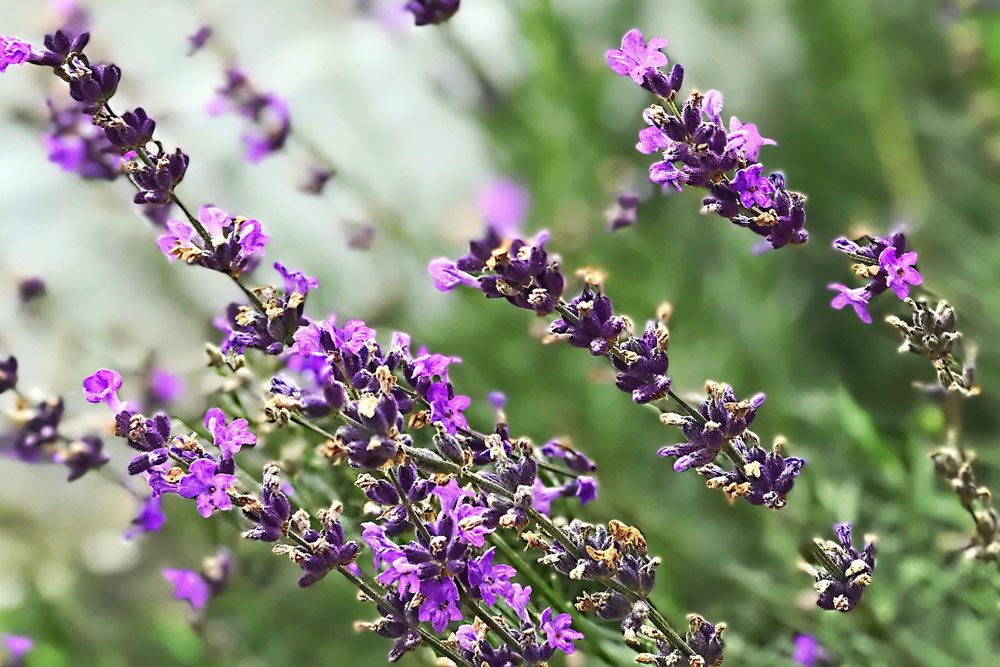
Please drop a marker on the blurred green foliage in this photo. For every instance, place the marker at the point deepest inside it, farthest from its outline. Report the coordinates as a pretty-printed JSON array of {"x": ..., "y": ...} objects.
[{"x": 885, "y": 112}]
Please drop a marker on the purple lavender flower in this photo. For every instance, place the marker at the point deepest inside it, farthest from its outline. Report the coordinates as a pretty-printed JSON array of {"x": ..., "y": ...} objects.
[
  {"x": 327, "y": 548},
  {"x": 447, "y": 408},
  {"x": 642, "y": 366},
  {"x": 64, "y": 54},
  {"x": 207, "y": 486},
  {"x": 133, "y": 129},
  {"x": 198, "y": 40},
  {"x": 268, "y": 114},
  {"x": 164, "y": 387},
  {"x": 13, "y": 51},
  {"x": 103, "y": 387},
  {"x": 273, "y": 329},
  {"x": 807, "y": 652},
  {"x": 723, "y": 419},
  {"x": 8, "y": 374},
  {"x": 558, "y": 631},
  {"x": 30, "y": 289},
  {"x": 884, "y": 263},
  {"x": 447, "y": 276},
  {"x": 149, "y": 519},
  {"x": 697, "y": 150},
  {"x": 156, "y": 181},
  {"x": 622, "y": 213},
  {"x": 504, "y": 204},
  {"x": 519, "y": 271},
  {"x": 846, "y": 572},
  {"x": 900, "y": 271},
  {"x": 426, "y": 12},
  {"x": 82, "y": 455},
  {"x": 189, "y": 585},
  {"x": 236, "y": 241},
  {"x": 765, "y": 479},
  {"x": 594, "y": 326},
  {"x": 440, "y": 606},
  {"x": 752, "y": 188},
  {"x": 491, "y": 581},
  {"x": 636, "y": 58},
  {"x": 18, "y": 646},
  {"x": 746, "y": 138},
  {"x": 271, "y": 515},
  {"x": 857, "y": 299},
  {"x": 77, "y": 146},
  {"x": 229, "y": 438}
]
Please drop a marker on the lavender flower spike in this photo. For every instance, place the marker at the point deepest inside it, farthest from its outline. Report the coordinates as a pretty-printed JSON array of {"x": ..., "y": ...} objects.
[
  {"x": 426, "y": 12},
  {"x": 843, "y": 572},
  {"x": 697, "y": 150},
  {"x": 884, "y": 263}
]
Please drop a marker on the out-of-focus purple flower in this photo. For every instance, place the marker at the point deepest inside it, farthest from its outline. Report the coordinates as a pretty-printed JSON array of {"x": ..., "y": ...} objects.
[
  {"x": 318, "y": 177},
  {"x": 18, "y": 646},
  {"x": 149, "y": 519},
  {"x": 164, "y": 386},
  {"x": 807, "y": 652},
  {"x": 13, "y": 51},
  {"x": 636, "y": 58},
  {"x": 81, "y": 456},
  {"x": 8, "y": 374},
  {"x": 207, "y": 486},
  {"x": 558, "y": 632},
  {"x": 504, "y": 204},
  {"x": 622, "y": 213},
  {"x": 229, "y": 438},
  {"x": 900, "y": 271},
  {"x": 77, "y": 146},
  {"x": 753, "y": 188},
  {"x": 497, "y": 399},
  {"x": 102, "y": 387},
  {"x": 30, "y": 288},
  {"x": 189, "y": 585},
  {"x": 426, "y": 12},
  {"x": 267, "y": 112},
  {"x": 198, "y": 40}
]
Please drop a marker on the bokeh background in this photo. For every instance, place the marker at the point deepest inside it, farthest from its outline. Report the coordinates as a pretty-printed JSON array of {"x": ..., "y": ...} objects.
[{"x": 886, "y": 113}]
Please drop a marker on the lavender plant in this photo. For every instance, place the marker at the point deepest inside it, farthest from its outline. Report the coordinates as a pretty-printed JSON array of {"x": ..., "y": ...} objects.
[
  {"x": 397, "y": 417},
  {"x": 697, "y": 149},
  {"x": 930, "y": 332},
  {"x": 522, "y": 272}
]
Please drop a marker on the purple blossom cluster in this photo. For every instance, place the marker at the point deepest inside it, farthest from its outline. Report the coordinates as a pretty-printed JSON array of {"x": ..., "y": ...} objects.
[
  {"x": 843, "y": 572},
  {"x": 759, "y": 477},
  {"x": 267, "y": 113},
  {"x": 197, "y": 587},
  {"x": 175, "y": 464},
  {"x": 34, "y": 434},
  {"x": 528, "y": 277},
  {"x": 884, "y": 262},
  {"x": 234, "y": 245},
  {"x": 698, "y": 150}
]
